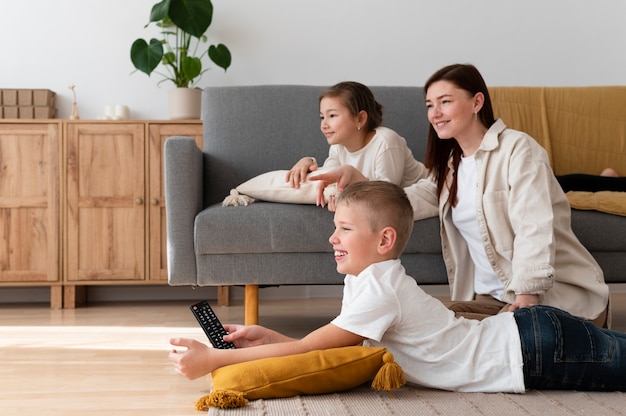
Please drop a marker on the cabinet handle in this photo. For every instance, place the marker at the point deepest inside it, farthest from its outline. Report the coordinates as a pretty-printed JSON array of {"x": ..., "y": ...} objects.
[
  {"x": 138, "y": 201},
  {"x": 155, "y": 201}
]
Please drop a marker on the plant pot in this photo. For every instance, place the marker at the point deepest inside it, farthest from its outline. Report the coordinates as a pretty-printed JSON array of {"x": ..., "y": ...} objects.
[{"x": 184, "y": 103}]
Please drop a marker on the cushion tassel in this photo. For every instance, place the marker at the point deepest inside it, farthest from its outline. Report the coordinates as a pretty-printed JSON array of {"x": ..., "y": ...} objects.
[
  {"x": 235, "y": 199},
  {"x": 222, "y": 399},
  {"x": 390, "y": 376}
]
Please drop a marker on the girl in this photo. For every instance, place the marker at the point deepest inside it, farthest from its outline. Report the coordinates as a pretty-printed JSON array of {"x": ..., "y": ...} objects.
[{"x": 350, "y": 119}]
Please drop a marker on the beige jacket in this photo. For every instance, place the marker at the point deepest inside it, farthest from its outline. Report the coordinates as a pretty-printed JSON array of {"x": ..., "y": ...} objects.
[{"x": 524, "y": 221}]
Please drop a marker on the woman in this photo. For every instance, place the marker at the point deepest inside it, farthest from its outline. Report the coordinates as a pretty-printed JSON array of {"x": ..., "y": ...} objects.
[
  {"x": 505, "y": 221},
  {"x": 351, "y": 121}
]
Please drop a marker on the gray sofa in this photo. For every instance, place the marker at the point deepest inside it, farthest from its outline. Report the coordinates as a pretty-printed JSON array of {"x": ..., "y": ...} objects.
[{"x": 249, "y": 130}]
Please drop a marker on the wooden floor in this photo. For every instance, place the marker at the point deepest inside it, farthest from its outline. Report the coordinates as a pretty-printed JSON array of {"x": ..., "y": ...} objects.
[{"x": 111, "y": 359}]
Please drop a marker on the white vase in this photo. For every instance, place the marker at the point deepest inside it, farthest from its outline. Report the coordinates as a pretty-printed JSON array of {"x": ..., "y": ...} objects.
[{"x": 184, "y": 103}]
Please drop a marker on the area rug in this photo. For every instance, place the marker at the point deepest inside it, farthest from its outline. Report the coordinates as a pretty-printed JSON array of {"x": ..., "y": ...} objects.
[{"x": 415, "y": 401}]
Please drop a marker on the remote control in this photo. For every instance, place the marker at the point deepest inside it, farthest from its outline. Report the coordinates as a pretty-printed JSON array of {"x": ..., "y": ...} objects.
[{"x": 211, "y": 325}]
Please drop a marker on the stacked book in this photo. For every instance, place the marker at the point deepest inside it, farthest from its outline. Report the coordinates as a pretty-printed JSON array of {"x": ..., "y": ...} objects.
[{"x": 27, "y": 104}]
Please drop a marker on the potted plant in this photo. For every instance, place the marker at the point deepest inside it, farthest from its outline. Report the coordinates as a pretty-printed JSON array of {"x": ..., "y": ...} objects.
[{"x": 183, "y": 25}]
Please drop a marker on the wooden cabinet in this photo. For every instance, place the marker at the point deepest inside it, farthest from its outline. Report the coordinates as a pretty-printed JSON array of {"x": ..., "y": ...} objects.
[
  {"x": 115, "y": 203},
  {"x": 105, "y": 202},
  {"x": 157, "y": 244},
  {"x": 82, "y": 203},
  {"x": 29, "y": 205}
]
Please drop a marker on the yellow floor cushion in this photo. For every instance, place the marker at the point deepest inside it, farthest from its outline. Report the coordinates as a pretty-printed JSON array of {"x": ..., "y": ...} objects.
[{"x": 315, "y": 372}]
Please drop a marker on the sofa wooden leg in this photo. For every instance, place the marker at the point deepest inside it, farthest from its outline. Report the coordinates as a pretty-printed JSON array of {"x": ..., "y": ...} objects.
[
  {"x": 223, "y": 295},
  {"x": 251, "y": 305}
]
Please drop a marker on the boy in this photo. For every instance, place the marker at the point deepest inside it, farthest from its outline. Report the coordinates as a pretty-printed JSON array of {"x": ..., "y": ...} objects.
[{"x": 382, "y": 306}]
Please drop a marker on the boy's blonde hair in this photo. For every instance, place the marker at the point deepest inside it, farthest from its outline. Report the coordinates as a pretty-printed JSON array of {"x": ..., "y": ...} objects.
[{"x": 385, "y": 205}]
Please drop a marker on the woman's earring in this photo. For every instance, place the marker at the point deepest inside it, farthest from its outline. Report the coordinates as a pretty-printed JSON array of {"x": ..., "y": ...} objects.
[
  {"x": 476, "y": 116},
  {"x": 358, "y": 127}
]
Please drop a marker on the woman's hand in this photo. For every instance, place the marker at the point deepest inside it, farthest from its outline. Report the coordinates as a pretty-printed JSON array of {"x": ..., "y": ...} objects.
[
  {"x": 524, "y": 301},
  {"x": 196, "y": 361},
  {"x": 298, "y": 173}
]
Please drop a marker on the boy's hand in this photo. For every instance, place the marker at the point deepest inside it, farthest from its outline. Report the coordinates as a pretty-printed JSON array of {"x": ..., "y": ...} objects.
[
  {"x": 297, "y": 174},
  {"x": 195, "y": 361},
  {"x": 246, "y": 336},
  {"x": 252, "y": 335}
]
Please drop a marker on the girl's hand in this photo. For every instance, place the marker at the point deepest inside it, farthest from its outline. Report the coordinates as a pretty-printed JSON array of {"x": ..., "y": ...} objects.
[
  {"x": 298, "y": 173},
  {"x": 332, "y": 203},
  {"x": 343, "y": 176}
]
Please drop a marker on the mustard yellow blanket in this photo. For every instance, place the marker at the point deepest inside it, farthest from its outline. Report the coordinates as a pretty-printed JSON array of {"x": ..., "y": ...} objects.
[{"x": 583, "y": 129}]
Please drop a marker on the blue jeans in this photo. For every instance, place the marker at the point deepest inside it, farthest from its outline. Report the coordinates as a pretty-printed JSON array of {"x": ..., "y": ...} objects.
[{"x": 563, "y": 352}]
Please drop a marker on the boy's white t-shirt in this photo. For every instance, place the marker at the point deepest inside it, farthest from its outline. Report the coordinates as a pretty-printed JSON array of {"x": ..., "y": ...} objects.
[
  {"x": 386, "y": 158},
  {"x": 434, "y": 348}
]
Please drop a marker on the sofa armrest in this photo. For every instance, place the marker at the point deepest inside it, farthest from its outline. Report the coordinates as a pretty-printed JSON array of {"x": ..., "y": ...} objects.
[{"x": 183, "y": 201}]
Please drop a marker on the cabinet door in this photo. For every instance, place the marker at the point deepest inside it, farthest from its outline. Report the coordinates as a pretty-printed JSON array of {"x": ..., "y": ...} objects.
[
  {"x": 29, "y": 202},
  {"x": 105, "y": 202},
  {"x": 157, "y": 238}
]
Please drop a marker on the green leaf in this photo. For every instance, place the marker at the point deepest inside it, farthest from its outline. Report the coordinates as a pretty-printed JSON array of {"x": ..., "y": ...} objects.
[
  {"x": 166, "y": 22},
  {"x": 169, "y": 59},
  {"x": 220, "y": 55},
  {"x": 190, "y": 67},
  {"x": 146, "y": 57},
  {"x": 192, "y": 16},
  {"x": 159, "y": 11}
]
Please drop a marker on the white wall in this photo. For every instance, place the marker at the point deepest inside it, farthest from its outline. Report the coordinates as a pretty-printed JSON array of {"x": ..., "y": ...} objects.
[{"x": 55, "y": 43}]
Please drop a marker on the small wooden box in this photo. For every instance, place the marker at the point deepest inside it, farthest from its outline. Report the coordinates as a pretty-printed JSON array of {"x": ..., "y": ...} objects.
[
  {"x": 24, "y": 97},
  {"x": 9, "y": 97},
  {"x": 10, "y": 111},
  {"x": 27, "y": 103},
  {"x": 26, "y": 111},
  {"x": 44, "y": 111},
  {"x": 43, "y": 98}
]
